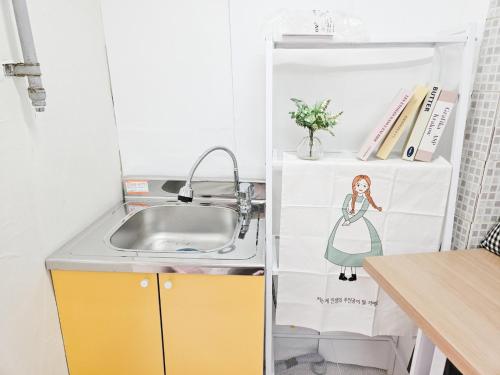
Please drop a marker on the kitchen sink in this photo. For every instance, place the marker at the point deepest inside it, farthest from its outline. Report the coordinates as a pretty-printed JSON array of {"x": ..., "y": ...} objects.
[{"x": 178, "y": 228}]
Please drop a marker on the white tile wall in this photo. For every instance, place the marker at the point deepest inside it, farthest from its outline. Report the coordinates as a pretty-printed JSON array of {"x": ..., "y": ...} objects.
[
  {"x": 466, "y": 198},
  {"x": 478, "y": 200},
  {"x": 494, "y": 8},
  {"x": 460, "y": 233},
  {"x": 488, "y": 72},
  {"x": 480, "y": 124}
]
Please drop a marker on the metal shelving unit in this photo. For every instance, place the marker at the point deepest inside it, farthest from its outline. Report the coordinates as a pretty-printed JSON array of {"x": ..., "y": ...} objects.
[{"x": 468, "y": 41}]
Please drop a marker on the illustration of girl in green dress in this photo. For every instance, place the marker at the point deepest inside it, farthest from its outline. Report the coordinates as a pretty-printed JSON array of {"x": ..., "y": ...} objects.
[{"x": 354, "y": 237}]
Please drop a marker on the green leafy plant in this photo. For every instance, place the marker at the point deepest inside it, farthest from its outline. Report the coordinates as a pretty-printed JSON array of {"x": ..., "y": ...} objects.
[{"x": 314, "y": 117}]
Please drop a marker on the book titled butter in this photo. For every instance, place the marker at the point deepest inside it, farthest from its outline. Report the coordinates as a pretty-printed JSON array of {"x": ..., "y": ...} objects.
[
  {"x": 405, "y": 120},
  {"x": 416, "y": 134},
  {"x": 384, "y": 125},
  {"x": 435, "y": 127}
]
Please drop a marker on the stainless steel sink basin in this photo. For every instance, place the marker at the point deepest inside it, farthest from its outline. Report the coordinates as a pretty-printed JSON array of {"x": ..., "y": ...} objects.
[{"x": 178, "y": 228}]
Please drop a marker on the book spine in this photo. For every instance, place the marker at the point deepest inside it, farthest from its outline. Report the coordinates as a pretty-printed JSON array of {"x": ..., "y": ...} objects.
[
  {"x": 436, "y": 125},
  {"x": 407, "y": 118},
  {"x": 384, "y": 125},
  {"x": 416, "y": 134}
]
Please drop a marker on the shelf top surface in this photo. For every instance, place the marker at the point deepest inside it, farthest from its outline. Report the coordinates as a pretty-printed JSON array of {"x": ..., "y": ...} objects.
[
  {"x": 312, "y": 42},
  {"x": 350, "y": 157}
]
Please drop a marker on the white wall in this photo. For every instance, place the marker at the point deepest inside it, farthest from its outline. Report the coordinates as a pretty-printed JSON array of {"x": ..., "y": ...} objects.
[
  {"x": 188, "y": 75},
  {"x": 58, "y": 171}
]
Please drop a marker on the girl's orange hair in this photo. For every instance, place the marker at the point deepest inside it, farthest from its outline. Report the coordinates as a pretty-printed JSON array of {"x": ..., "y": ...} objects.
[{"x": 367, "y": 192}]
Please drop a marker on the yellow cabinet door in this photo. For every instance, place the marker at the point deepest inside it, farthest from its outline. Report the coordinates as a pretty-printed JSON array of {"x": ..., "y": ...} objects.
[
  {"x": 110, "y": 322},
  {"x": 212, "y": 325}
]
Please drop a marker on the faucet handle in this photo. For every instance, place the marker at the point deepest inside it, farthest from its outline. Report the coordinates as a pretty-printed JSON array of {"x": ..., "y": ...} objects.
[
  {"x": 245, "y": 194},
  {"x": 246, "y": 190}
]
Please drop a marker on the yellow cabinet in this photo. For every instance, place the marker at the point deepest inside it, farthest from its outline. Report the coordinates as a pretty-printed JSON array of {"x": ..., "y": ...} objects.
[
  {"x": 110, "y": 322},
  {"x": 149, "y": 324},
  {"x": 212, "y": 325}
]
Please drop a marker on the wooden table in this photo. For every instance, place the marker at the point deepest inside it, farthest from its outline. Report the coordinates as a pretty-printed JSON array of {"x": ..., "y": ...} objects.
[{"x": 454, "y": 299}]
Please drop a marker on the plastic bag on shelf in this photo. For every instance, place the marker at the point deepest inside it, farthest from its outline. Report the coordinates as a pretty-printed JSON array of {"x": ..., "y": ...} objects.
[{"x": 321, "y": 23}]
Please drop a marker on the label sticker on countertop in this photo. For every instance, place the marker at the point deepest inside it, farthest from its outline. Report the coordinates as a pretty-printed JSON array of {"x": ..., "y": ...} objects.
[{"x": 136, "y": 186}]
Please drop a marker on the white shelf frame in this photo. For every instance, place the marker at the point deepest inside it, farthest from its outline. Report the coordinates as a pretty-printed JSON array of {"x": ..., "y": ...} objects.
[
  {"x": 467, "y": 38},
  {"x": 423, "y": 42}
]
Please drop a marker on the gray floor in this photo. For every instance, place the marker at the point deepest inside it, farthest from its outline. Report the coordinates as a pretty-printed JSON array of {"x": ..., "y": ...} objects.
[{"x": 333, "y": 369}]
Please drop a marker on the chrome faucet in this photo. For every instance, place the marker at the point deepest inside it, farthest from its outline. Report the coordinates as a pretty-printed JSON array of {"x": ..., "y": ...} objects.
[{"x": 242, "y": 191}]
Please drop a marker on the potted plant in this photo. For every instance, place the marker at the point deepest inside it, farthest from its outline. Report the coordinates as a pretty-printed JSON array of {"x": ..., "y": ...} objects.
[{"x": 313, "y": 118}]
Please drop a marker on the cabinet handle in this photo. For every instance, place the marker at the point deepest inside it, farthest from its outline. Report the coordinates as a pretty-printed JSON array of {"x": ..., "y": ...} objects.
[
  {"x": 168, "y": 284},
  {"x": 144, "y": 283}
]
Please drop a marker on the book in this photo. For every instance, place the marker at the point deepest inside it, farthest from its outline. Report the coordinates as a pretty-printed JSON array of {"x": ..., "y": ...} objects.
[
  {"x": 436, "y": 125},
  {"x": 379, "y": 133},
  {"x": 404, "y": 121},
  {"x": 416, "y": 134}
]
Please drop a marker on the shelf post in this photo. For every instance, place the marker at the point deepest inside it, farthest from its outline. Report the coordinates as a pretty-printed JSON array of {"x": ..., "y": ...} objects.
[
  {"x": 269, "y": 355},
  {"x": 464, "y": 92}
]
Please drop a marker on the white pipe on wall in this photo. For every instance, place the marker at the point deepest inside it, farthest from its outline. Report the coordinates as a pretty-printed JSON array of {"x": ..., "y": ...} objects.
[{"x": 35, "y": 88}]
